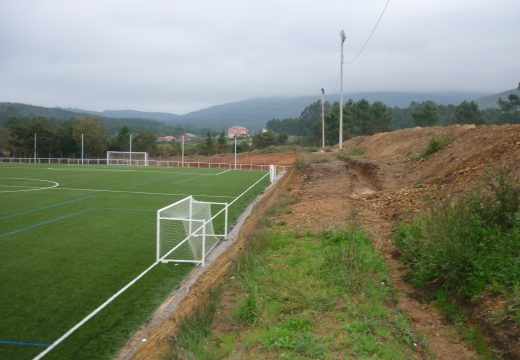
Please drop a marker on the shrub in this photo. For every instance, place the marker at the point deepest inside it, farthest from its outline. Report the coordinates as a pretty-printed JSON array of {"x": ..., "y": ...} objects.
[
  {"x": 434, "y": 145},
  {"x": 469, "y": 244}
]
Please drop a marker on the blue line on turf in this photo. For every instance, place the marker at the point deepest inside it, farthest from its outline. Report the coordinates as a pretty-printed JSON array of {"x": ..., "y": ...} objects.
[
  {"x": 23, "y": 343},
  {"x": 46, "y": 207},
  {"x": 44, "y": 223}
]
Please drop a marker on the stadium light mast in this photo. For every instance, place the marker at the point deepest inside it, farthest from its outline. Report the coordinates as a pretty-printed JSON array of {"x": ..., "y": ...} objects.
[
  {"x": 130, "y": 149},
  {"x": 82, "y": 148},
  {"x": 35, "y": 148},
  {"x": 182, "y": 151},
  {"x": 343, "y": 37},
  {"x": 322, "y": 119}
]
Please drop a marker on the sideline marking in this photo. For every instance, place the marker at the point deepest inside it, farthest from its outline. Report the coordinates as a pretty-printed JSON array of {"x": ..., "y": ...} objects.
[
  {"x": 56, "y": 184},
  {"x": 23, "y": 343},
  {"x": 144, "y": 192},
  {"x": 223, "y": 172},
  {"x": 46, "y": 207}
]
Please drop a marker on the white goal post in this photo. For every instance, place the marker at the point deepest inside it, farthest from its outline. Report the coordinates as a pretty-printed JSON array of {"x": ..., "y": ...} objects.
[
  {"x": 139, "y": 158},
  {"x": 187, "y": 231}
]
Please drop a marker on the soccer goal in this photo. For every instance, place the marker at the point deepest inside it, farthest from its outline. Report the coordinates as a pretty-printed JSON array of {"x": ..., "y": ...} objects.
[
  {"x": 139, "y": 158},
  {"x": 187, "y": 231}
]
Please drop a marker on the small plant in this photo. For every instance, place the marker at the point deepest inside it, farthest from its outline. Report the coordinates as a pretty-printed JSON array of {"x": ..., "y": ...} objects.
[
  {"x": 434, "y": 145},
  {"x": 355, "y": 151},
  {"x": 247, "y": 311},
  {"x": 305, "y": 159}
]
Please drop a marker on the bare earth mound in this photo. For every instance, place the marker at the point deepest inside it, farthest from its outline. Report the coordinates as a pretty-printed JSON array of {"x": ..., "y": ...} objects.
[{"x": 388, "y": 184}]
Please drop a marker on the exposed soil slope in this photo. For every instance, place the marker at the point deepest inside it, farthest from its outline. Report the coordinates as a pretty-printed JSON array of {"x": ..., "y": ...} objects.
[{"x": 388, "y": 184}]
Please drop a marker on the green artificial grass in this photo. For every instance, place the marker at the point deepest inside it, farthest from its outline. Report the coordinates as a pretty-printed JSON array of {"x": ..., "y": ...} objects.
[{"x": 67, "y": 249}]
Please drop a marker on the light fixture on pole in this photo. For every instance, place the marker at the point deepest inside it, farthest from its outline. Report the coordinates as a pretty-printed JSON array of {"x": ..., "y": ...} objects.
[
  {"x": 343, "y": 37},
  {"x": 322, "y": 119}
]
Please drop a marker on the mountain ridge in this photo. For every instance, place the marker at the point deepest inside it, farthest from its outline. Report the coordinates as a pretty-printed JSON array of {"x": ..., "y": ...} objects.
[{"x": 252, "y": 113}]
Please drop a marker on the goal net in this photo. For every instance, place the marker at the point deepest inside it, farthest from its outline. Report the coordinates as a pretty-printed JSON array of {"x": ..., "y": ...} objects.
[
  {"x": 187, "y": 231},
  {"x": 127, "y": 158}
]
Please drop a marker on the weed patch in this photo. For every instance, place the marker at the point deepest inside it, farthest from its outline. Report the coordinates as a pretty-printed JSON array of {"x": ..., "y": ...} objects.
[
  {"x": 458, "y": 249},
  {"x": 435, "y": 144}
]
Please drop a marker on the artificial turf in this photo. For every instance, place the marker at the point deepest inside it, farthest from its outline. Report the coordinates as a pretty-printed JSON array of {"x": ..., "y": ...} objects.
[{"x": 71, "y": 236}]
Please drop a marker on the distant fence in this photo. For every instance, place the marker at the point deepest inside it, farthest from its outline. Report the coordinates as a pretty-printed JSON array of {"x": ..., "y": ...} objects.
[{"x": 166, "y": 163}]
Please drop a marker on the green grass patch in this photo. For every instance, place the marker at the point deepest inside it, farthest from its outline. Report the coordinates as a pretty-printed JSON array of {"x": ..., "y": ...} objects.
[
  {"x": 304, "y": 159},
  {"x": 65, "y": 250},
  {"x": 355, "y": 151},
  {"x": 435, "y": 144},
  {"x": 312, "y": 296}
]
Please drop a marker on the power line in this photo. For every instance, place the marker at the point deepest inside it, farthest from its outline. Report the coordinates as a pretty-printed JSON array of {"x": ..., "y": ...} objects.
[{"x": 371, "y": 33}]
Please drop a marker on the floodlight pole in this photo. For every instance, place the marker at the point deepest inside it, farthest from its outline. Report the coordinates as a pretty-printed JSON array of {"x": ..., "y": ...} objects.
[
  {"x": 322, "y": 119},
  {"x": 235, "y": 152},
  {"x": 35, "y": 148},
  {"x": 182, "y": 151},
  {"x": 82, "y": 148},
  {"x": 130, "y": 149},
  {"x": 343, "y": 37}
]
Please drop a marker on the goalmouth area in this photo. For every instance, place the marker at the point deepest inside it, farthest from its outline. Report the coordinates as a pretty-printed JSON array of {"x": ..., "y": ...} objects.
[{"x": 71, "y": 236}]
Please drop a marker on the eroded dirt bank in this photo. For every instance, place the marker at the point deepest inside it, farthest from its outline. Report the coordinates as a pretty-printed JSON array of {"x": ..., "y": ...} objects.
[{"x": 388, "y": 184}]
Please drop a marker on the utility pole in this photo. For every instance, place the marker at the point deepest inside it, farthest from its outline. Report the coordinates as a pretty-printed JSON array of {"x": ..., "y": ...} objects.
[
  {"x": 343, "y": 37},
  {"x": 322, "y": 119}
]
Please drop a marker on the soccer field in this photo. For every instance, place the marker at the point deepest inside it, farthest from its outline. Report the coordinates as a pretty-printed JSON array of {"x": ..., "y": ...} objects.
[{"x": 72, "y": 236}]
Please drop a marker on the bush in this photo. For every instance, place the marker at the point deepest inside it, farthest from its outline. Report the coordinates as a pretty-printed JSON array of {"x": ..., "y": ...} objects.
[
  {"x": 434, "y": 145},
  {"x": 467, "y": 245}
]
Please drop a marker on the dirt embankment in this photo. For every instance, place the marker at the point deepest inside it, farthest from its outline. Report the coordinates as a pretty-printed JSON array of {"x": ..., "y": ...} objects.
[{"x": 388, "y": 184}]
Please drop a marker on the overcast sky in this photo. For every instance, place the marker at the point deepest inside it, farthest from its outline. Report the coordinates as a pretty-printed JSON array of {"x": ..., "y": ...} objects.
[{"x": 180, "y": 56}]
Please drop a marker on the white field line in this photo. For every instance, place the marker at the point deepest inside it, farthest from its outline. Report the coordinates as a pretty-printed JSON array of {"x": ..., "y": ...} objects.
[
  {"x": 249, "y": 188},
  {"x": 93, "y": 313},
  {"x": 140, "y": 192},
  {"x": 172, "y": 172},
  {"x": 223, "y": 172},
  {"x": 29, "y": 188}
]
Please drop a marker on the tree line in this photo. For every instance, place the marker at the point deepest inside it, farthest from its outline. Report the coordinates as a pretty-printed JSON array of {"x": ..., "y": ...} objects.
[
  {"x": 364, "y": 118},
  {"x": 55, "y": 138}
]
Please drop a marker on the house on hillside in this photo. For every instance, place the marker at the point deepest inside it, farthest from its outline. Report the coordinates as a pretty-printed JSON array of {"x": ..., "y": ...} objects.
[
  {"x": 167, "y": 138},
  {"x": 189, "y": 137},
  {"x": 238, "y": 131}
]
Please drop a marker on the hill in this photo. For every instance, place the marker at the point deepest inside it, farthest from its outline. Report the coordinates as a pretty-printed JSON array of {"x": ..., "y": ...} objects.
[
  {"x": 113, "y": 124},
  {"x": 251, "y": 113},
  {"x": 491, "y": 100}
]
